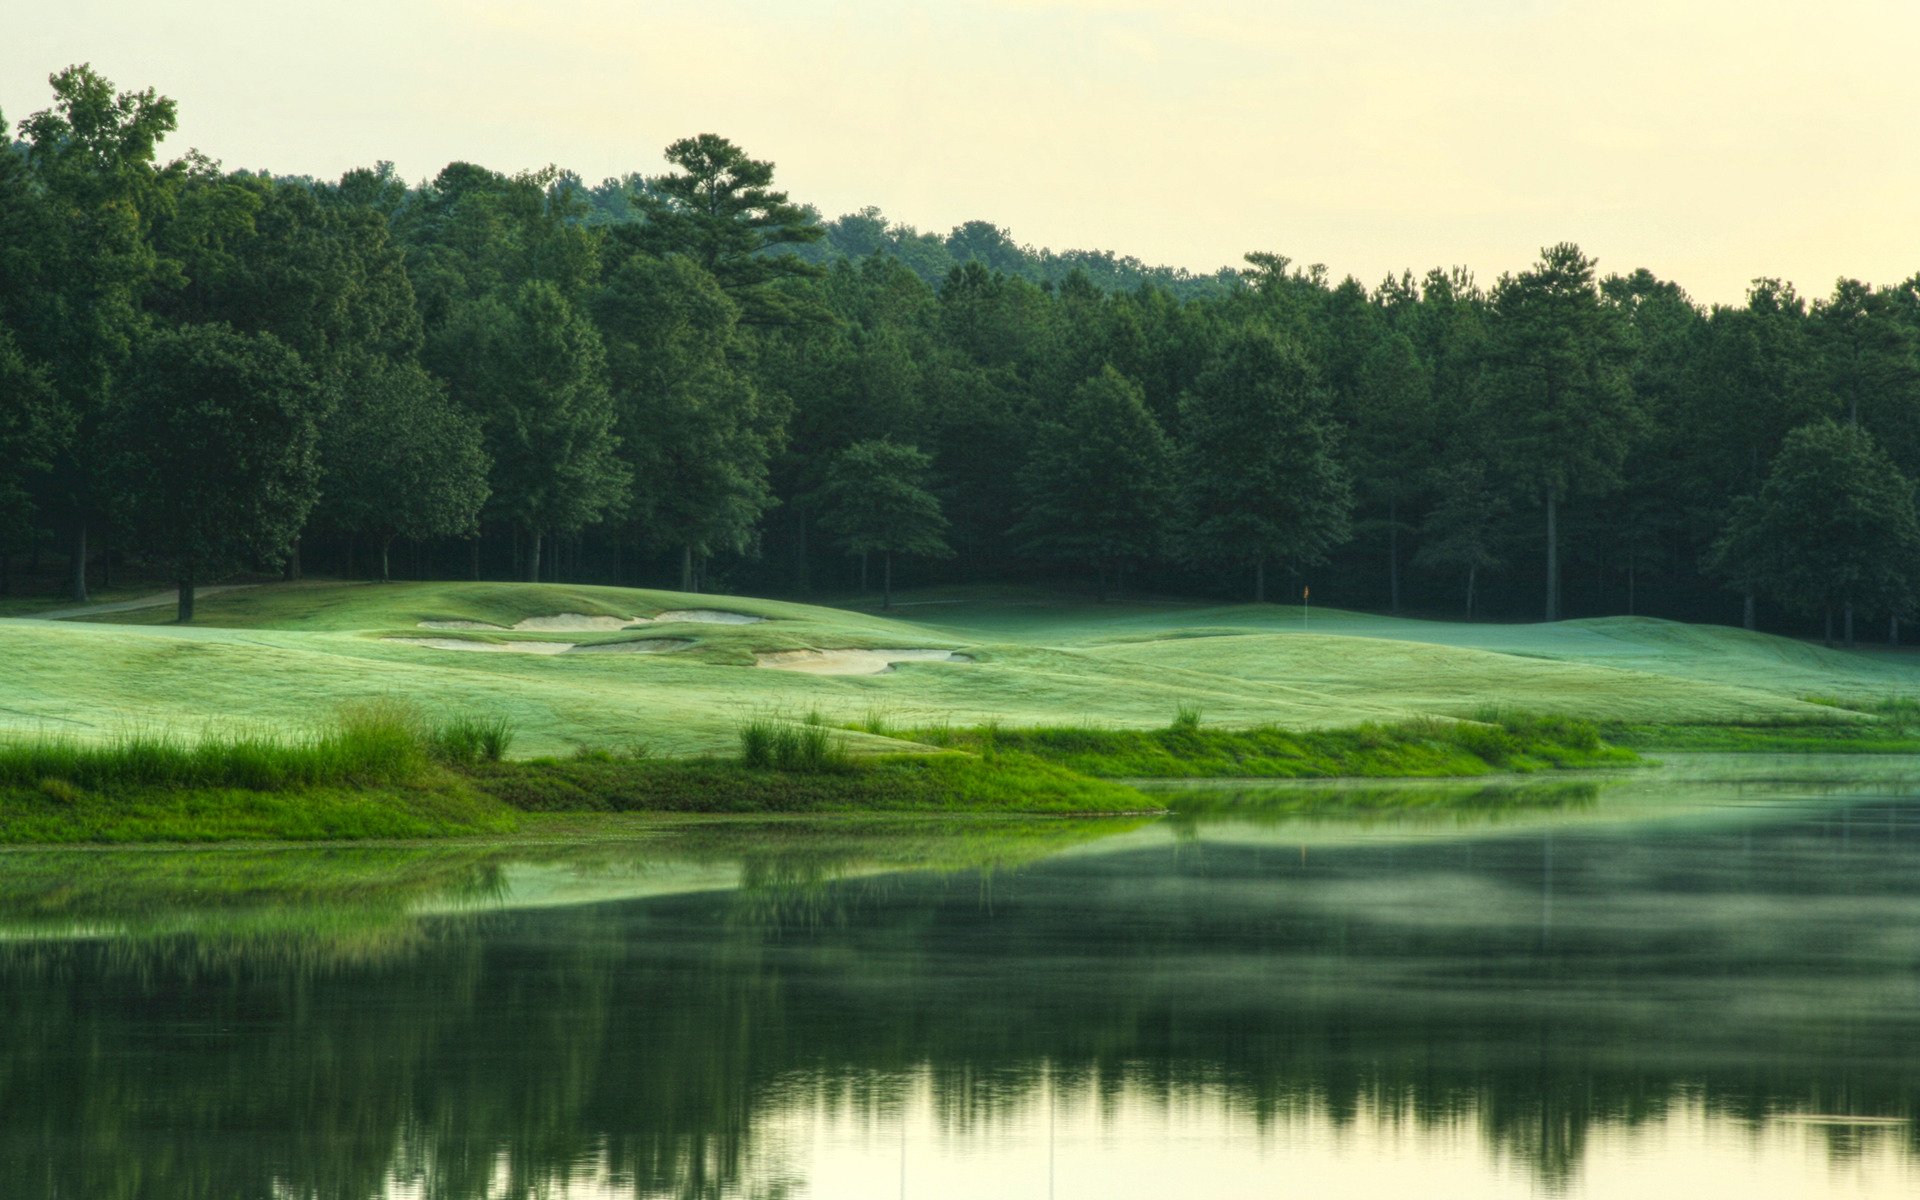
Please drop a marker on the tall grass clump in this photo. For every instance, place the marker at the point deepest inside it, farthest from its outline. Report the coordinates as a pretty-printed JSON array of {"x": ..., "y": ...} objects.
[
  {"x": 465, "y": 741},
  {"x": 1186, "y": 717},
  {"x": 366, "y": 744},
  {"x": 772, "y": 744}
]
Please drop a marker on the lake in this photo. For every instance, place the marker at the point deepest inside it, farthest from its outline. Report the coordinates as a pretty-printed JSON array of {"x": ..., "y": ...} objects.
[{"x": 1699, "y": 981}]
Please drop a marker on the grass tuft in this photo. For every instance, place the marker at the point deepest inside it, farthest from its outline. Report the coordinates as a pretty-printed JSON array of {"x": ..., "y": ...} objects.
[{"x": 809, "y": 747}]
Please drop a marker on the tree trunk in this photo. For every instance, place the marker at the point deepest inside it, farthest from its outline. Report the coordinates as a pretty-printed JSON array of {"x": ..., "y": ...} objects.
[
  {"x": 801, "y": 580},
  {"x": 863, "y": 572},
  {"x": 686, "y": 568},
  {"x": 1746, "y": 610},
  {"x": 1393, "y": 555},
  {"x": 1260, "y": 582},
  {"x": 6, "y": 574},
  {"x": 1846, "y": 621},
  {"x": 292, "y": 571},
  {"x": 1471, "y": 572},
  {"x": 533, "y": 555},
  {"x": 886, "y": 592},
  {"x": 386, "y": 576},
  {"x": 77, "y": 551},
  {"x": 186, "y": 597},
  {"x": 1828, "y": 636},
  {"x": 1553, "y": 555},
  {"x": 473, "y": 557}
]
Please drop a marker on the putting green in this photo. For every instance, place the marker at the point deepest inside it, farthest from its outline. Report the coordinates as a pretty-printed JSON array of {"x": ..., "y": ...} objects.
[{"x": 287, "y": 654}]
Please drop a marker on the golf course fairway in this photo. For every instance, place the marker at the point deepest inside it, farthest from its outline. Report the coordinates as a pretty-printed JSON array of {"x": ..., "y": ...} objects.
[{"x": 674, "y": 674}]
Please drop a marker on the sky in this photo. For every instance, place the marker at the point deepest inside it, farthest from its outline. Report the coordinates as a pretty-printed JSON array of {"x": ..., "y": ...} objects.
[{"x": 1710, "y": 141}]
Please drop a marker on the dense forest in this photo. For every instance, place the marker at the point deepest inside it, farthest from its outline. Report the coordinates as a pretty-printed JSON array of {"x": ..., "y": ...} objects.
[{"x": 691, "y": 380}]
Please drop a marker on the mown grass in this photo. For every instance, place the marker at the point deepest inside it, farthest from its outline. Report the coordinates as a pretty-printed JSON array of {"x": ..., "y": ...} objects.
[
  {"x": 275, "y": 653},
  {"x": 1185, "y": 749}
]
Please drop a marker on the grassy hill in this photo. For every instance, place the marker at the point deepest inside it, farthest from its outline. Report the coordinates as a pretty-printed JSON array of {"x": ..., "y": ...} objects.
[{"x": 284, "y": 655}]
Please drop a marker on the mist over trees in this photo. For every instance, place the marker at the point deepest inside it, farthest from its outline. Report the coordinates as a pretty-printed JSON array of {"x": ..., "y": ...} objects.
[{"x": 690, "y": 379}]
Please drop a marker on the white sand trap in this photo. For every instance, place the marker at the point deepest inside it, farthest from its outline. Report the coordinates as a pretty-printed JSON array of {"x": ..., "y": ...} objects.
[
  {"x": 458, "y": 625},
  {"x": 708, "y": 616},
  {"x": 572, "y": 623},
  {"x": 850, "y": 662},
  {"x": 643, "y": 646},
  {"x": 486, "y": 647}
]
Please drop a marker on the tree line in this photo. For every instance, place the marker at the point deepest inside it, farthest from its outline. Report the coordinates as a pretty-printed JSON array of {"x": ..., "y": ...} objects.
[{"x": 691, "y": 379}]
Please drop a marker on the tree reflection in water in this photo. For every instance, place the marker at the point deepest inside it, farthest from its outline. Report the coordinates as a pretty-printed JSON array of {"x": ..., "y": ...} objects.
[{"x": 1745, "y": 968}]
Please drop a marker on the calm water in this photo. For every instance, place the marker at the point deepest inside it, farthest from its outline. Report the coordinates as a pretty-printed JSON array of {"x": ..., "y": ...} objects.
[{"x": 1666, "y": 986}]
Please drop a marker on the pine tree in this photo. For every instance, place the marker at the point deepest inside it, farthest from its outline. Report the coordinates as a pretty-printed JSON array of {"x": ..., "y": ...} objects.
[
  {"x": 1260, "y": 480},
  {"x": 1096, "y": 485}
]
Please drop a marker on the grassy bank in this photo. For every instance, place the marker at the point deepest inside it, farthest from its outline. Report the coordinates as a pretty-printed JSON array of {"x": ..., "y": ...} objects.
[
  {"x": 383, "y": 771},
  {"x": 1188, "y": 750}
]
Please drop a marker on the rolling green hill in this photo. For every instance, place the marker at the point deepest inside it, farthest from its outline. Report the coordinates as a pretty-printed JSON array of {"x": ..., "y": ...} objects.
[{"x": 286, "y": 655}]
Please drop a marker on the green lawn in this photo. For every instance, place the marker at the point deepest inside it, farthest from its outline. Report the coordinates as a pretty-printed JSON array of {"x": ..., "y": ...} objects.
[{"x": 286, "y": 655}]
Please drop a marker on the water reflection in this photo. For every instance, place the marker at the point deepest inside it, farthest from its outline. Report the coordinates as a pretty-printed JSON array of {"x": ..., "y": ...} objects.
[{"x": 1552, "y": 1001}]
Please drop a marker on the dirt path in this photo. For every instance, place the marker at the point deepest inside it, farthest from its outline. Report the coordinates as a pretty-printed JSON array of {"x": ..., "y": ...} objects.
[{"x": 157, "y": 600}]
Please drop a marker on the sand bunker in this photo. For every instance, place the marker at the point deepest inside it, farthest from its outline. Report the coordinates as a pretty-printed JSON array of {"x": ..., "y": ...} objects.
[
  {"x": 708, "y": 616},
  {"x": 850, "y": 662},
  {"x": 573, "y": 623},
  {"x": 487, "y": 647},
  {"x": 583, "y": 623},
  {"x": 643, "y": 646}
]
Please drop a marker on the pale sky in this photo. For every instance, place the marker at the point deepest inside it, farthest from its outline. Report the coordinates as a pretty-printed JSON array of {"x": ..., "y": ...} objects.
[{"x": 1707, "y": 140}]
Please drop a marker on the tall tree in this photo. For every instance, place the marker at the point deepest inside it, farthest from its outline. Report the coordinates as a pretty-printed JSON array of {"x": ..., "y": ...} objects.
[
  {"x": 1560, "y": 398},
  {"x": 1462, "y": 529},
  {"x": 216, "y": 451},
  {"x": 30, "y": 428},
  {"x": 533, "y": 371},
  {"x": 875, "y": 501},
  {"x": 1097, "y": 481},
  {"x": 97, "y": 189},
  {"x": 720, "y": 210},
  {"x": 398, "y": 459},
  {"x": 1261, "y": 482},
  {"x": 697, "y": 433},
  {"x": 1833, "y": 526},
  {"x": 1392, "y": 441}
]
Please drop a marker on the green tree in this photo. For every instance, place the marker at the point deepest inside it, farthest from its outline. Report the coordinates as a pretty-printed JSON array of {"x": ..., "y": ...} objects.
[
  {"x": 1392, "y": 439},
  {"x": 1260, "y": 479},
  {"x": 1558, "y": 390},
  {"x": 398, "y": 458},
  {"x": 720, "y": 210},
  {"x": 533, "y": 371},
  {"x": 217, "y": 463},
  {"x": 697, "y": 433},
  {"x": 97, "y": 190},
  {"x": 29, "y": 430},
  {"x": 875, "y": 500},
  {"x": 1462, "y": 529},
  {"x": 1832, "y": 526},
  {"x": 1097, "y": 481}
]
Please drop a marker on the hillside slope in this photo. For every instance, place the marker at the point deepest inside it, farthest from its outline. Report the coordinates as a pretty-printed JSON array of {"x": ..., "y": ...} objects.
[{"x": 283, "y": 655}]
